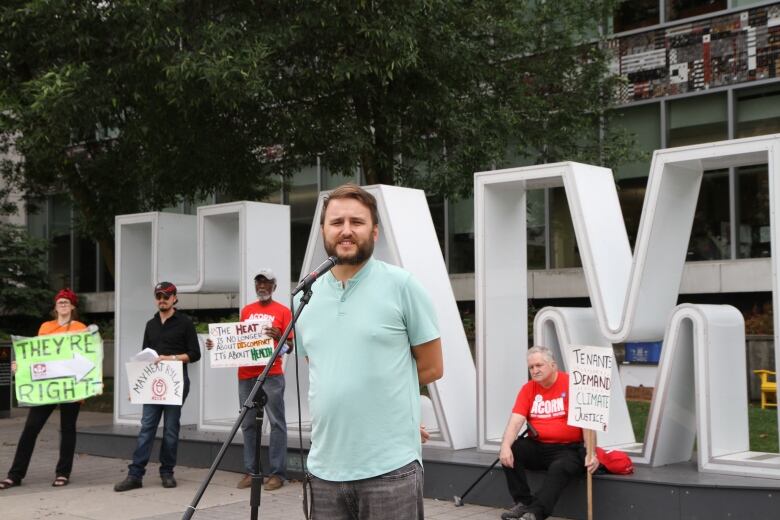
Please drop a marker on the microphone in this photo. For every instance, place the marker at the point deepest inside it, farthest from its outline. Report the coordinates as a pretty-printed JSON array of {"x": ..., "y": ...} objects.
[{"x": 323, "y": 268}]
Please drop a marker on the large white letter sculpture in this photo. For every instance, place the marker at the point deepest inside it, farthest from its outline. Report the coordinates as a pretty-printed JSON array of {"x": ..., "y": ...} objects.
[
  {"x": 217, "y": 251},
  {"x": 700, "y": 390},
  {"x": 407, "y": 238}
]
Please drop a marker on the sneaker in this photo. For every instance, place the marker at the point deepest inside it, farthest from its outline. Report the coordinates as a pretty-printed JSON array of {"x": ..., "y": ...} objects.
[
  {"x": 245, "y": 482},
  {"x": 528, "y": 516},
  {"x": 273, "y": 483},
  {"x": 128, "y": 484},
  {"x": 516, "y": 512},
  {"x": 168, "y": 481}
]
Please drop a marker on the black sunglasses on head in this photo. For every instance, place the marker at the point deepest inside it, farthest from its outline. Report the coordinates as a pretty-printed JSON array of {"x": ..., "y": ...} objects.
[{"x": 162, "y": 296}]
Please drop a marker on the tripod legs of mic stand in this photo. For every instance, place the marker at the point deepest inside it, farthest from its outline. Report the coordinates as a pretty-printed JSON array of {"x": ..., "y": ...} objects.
[{"x": 257, "y": 477}]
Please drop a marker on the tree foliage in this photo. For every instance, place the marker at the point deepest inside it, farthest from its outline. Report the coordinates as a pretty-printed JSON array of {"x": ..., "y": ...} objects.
[
  {"x": 102, "y": 100},
  {"x": 134, "y": 105},
  {"x": 23, "y": 279},
  {"x": 426, "y": 93}
]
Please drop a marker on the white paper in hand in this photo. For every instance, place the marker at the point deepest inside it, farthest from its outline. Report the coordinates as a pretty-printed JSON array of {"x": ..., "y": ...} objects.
[{"x": 147, "y": 355}]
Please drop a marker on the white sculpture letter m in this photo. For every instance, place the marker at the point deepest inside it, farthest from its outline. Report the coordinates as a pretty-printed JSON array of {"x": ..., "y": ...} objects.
[{"x": 700, "y": 389}]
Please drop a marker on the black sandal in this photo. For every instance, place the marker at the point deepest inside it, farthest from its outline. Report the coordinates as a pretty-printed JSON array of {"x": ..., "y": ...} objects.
[
  {"x": 8, "y": 483},
  {"x": 60, "y": 481}
]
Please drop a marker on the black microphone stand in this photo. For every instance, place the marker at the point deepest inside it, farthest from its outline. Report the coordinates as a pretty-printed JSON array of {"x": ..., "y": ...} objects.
[{"x": 257, "y": 399}]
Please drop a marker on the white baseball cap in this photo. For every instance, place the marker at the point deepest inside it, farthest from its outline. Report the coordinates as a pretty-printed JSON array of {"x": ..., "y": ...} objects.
[{"x": 267, "y": 274}]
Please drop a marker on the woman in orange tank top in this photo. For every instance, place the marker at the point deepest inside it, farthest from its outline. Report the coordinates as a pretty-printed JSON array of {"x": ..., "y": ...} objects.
[{"x": 64, "y": 321}]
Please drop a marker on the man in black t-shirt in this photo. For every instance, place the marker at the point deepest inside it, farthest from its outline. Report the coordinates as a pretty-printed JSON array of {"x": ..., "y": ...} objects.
[{"x": 172, "y": 335}]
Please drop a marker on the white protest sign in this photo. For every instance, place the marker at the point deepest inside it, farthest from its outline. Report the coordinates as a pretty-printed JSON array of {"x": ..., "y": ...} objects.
[
  {"x": 590, "y": 380},
  {"x": 155, "y": 383},
  {"x": 240, "y": 344}
]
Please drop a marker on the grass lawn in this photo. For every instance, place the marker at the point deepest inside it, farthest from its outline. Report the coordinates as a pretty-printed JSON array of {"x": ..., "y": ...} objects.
[{"x": 763, "y": 425}]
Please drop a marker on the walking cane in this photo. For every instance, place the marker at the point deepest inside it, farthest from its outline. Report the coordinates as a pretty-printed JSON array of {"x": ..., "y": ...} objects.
[
  {"x": 529, "y": 431},
  {"x": 459, "y": 499}
]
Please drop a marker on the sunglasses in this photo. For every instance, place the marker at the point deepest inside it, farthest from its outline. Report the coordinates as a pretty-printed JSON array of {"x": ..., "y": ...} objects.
[{"x": 162, "y": 296}]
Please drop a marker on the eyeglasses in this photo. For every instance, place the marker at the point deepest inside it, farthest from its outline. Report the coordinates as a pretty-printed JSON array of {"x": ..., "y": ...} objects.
[{"x": 162, "y": 296}]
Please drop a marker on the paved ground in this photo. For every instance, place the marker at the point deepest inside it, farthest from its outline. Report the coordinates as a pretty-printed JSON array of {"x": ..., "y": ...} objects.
[{"x": 90, "y": 494}]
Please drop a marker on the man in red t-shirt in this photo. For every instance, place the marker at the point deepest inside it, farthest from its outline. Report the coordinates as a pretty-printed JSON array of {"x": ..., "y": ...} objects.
[
  {"x": 276, "y": 317},
  {"x": 555, "y": 446}
]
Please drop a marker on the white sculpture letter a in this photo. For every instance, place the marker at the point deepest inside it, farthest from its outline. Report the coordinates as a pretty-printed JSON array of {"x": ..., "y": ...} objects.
[{"x": 700, "y": 388}]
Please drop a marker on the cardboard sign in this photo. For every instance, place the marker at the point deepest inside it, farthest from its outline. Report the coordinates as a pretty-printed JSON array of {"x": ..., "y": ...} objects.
[
  {"x": 58, "y": 368},
  {"x": 240, "y": 344},
  {"x": 155, "y": 383},
  {"x": 590, "y": 380}
]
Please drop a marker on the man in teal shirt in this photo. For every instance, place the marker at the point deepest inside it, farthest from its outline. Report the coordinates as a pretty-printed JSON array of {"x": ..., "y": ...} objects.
[{"x": 371, "y": 339}]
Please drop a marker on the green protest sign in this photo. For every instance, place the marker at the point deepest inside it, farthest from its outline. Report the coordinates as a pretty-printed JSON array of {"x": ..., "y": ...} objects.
[{"x": 59, "y": 368}]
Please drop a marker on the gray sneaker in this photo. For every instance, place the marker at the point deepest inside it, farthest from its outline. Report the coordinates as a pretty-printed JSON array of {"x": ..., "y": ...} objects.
[
  {"x": 516, "y": 512},
  {"x": 528, "y": 516}
]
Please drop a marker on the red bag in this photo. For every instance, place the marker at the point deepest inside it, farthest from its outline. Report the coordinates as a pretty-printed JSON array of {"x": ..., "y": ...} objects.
[{"x": 615, "y": 461}]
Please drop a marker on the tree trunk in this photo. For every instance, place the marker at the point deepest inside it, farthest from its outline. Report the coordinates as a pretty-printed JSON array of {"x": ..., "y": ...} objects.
[{"x": 368, "y": 165}]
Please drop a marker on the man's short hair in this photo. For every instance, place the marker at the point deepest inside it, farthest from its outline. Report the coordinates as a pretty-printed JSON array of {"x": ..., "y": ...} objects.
[
  {"x": 543, "y": 350},
  {"x": 352, "y": 191}
]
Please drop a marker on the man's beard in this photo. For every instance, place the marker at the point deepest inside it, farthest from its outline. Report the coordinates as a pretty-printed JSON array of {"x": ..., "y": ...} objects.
[
  {"x": 263, "y": 296},
  {"x": 364, "y": 252}
]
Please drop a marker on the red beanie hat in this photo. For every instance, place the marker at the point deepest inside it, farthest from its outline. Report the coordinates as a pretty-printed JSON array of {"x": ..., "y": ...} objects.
[{"x": 68, "y": 295}]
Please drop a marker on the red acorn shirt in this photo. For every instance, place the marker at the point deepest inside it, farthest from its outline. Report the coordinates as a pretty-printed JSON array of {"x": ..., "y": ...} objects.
[
  {"x": 547, "y": 409},
  {"x": 276, "y": 314}
]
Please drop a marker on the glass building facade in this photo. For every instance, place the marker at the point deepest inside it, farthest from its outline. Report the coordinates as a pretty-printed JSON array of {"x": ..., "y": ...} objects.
[{"x": 695, "y": 71}]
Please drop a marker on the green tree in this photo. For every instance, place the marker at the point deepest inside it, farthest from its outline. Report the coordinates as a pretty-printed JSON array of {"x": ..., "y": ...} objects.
[
  {"x": 23, "y": 279},
  {"x": 135, "y": 105},
  {"x": 426, "y": 93},
  {"x": 103, "y": 101}
]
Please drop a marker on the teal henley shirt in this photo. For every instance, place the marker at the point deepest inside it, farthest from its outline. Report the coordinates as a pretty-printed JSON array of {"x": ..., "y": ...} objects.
[{"x": 364, "y": 394}]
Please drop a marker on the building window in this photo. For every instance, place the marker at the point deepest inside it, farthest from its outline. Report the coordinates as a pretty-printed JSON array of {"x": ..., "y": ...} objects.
[
  {"x": 758, "y": 111},
  {"x": 86, "y": 265},
  {"x": 711, "y": 232},
  {"x": 700, "y": 119},
  {"x": 535, "y": 232},
  {"x": 332, "y": 181},
  {"x": 753, "y": 212},
  {"x": 437, "y": 207},
  {"x": 635, "y": 14},
  {"x": 679, "y": 9},
  {"x": 59, "y": 220},
  {"x": 461, "y": 236},
  {"x": 631, "y": 194},
  {"x": 644, "y": 123},
  {"x": 563, "y": 247},
  {"x": 301, "y": 192}
]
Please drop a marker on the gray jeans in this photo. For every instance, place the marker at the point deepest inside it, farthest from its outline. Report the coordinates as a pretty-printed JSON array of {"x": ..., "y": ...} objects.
[
  {"x": 396, "y": 495},
  {"x": 274, "y": 412}
]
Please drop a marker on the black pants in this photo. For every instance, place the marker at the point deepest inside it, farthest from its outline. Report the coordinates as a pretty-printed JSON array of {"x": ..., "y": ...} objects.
[
  {"x": 36, "y": 419},
  {"x": 562, "y": 462}
]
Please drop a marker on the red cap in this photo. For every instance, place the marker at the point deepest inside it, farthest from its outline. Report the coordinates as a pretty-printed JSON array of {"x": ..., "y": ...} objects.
[
  {"x": 68, "y": 295},
  {"x": 165, "y": 288},
  {"x": 615, "y": 461}
]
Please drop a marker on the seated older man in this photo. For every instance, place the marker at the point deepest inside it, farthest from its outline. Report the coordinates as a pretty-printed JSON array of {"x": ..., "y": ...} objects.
[{"x": 558, "y": 448}]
